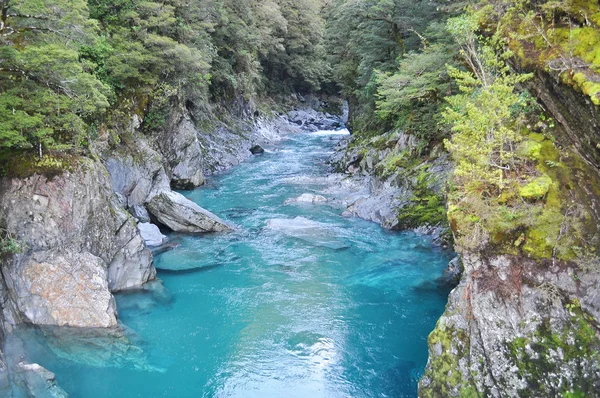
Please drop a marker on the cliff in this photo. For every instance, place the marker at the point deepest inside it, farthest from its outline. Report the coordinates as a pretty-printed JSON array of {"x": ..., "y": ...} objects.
[{"x": 75, "y": 228}]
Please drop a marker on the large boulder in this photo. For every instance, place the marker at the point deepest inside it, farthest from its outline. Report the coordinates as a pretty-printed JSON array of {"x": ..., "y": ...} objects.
[
  {"x": 63, "y": 288},
  {"x": 180, "y": 214},
  {"x": 151, "y": 234},
  {"x": 73, "y": 218}
]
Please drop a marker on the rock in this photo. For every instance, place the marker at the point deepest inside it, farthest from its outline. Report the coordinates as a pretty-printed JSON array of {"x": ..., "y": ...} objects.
[
  {"x": 21, "y": 378},
  {"x": 307, "y": 198},
  {"x": 452, "y": 273},
  {"x": 63, "y": 288},
  {"x": 312, "y": 120},
  {"x": 34, "y": 380},
  {"x": 181, "y": 148},
  {"x": 140, "y": 213},
  {"x": 72, "y": 218},
  {"x": 137, "y": 178},
  {"x": 131, "y": 267},
  {"x": 165, "y": 247},
  {"x": 257, "y": 150},
  {"x": 151, "y": 234},
  {"x": 507, "y": 327},
  {"x": 182, "y": 215}
]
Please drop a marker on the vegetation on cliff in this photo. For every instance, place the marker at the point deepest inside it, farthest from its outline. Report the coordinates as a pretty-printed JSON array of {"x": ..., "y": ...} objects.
[{"x": 74, "y": 71}]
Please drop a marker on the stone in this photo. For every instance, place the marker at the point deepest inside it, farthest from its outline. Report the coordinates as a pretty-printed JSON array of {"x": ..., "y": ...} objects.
[
  {"x": 79, "y": 213},
  {"x": 140, "y": 213},
  {"x": 181, "y": 148},
  {"x": 307, "y": 198},
  {"x": 151, "y": 234},
  {"x": 63, "y": 288},
  {"x": 257, "y": 150},
  {"x": 138, "y": 178},
  {"x": 180, "y": 214}
]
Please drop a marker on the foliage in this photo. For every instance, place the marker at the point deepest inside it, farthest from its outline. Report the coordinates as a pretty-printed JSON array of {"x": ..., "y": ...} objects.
[
  {"x": 46, "y": 92},
  {"x": 366, "y": 38},
  {"x": 68, "y": 65},
  {"x": 8, "y": 244}
]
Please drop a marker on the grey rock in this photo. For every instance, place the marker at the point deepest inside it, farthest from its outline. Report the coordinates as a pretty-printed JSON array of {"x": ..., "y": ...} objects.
[
  {"x": 307, "y": 198},
  {"x": 137, "y": 178},
  {"x": 312, "y": 120},
  {"x": 499, "y": 300},
  {"x": 131, "y": 266},
  {"x": 63, "y": 288},
  {"x": 72, "y": 219},
  {"x": 256, "y": 150},
  {"x": 182, "y": 215},
  {"x": 151, "y": 234},
  {"x": 140, "y": 213},
  {"x": 181, "y": 148}
]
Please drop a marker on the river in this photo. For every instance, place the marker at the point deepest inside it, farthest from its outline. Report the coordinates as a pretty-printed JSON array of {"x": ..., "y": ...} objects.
[{"x": 318, "y": 306}]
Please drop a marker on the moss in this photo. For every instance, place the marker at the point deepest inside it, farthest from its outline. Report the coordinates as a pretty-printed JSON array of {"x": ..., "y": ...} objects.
[
  {"x": 530, "y": 149},
  {"x": 425, "y": 207},
  {"x": 537, "y": 360},
  {"x": 536, "y": 189},
  {"x": 23, "y": 164},
  {"x": 589, "y": 88},
  {"x": 444, "y": 369}
]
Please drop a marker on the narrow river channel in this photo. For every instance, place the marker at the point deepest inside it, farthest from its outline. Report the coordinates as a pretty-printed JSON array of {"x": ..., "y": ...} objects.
[{"x": 317, "y": 306}]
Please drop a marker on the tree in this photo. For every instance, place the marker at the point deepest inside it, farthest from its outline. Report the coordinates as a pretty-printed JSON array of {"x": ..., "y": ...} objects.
[
  {"x": 46, "y": 91},
  {"x": 485, "y": 117}
]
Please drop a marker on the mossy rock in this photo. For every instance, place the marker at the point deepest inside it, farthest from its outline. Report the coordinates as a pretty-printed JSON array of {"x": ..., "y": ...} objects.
[
  {"x": 530, "y": 149},
  {"x": 23, "y": 164},
  {"x": 537, "y": 188}
]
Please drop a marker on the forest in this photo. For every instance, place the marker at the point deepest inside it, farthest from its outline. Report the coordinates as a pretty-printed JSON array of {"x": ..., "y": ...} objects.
[{"x": 483, "y": 114}]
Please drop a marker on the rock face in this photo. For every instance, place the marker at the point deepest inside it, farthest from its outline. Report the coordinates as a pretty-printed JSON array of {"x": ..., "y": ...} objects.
[
  {"x": 181, "y": 148},
  {"x": 63, "y": 288},
  {"x": 575, "y": 112},
  {"x": 514, "y": 327},
  {"x": 313, "y": 120},
  {"x": 137, "y": 178},
  {"x": 72, "y": 219},
  {"x": 182, "y": 215},
  {"x": 374, "y": 191}
]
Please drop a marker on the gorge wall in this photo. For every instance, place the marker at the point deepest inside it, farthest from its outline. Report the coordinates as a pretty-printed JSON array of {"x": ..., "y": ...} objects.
[{"x": 81, "y": 233}]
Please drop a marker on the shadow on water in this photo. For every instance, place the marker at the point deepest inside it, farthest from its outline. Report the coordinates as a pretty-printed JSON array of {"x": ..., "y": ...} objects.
[{"x": 202, "y": 268}]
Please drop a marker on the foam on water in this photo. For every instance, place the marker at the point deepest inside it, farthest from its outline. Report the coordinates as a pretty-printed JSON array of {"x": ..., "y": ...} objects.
[{"x": 330, "y": 307}]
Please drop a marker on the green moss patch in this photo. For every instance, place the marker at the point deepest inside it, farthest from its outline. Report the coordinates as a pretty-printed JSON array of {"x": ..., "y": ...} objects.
[
  {"x": 444, "y": 370},
  {"x": 536, "y": 356},
  {"x": 23, "y": 164},
  {"x": 536, "y": 189},
  {"x": 425, "y": 207}
]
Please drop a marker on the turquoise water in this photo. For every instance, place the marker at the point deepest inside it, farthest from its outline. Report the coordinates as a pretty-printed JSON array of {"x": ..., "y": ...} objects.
[{"x": 336, "y": 309}]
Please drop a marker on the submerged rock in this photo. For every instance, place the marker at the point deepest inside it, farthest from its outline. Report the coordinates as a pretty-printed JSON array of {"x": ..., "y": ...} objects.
[
  {"x": 151, "y": 234},
  {"x": 307, "y": 198},
  {"x": 182, "y": 215},
  {"x": 36, "y": 381},
  {"x": 314, "y": 232}
]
